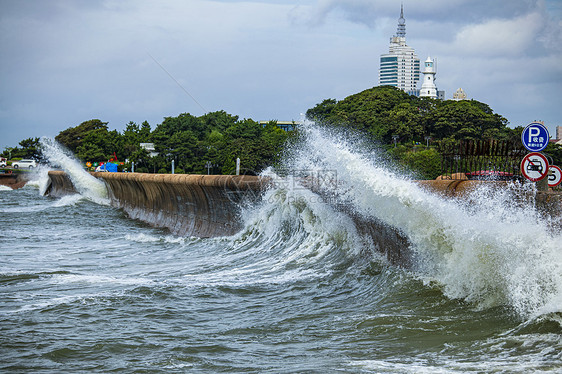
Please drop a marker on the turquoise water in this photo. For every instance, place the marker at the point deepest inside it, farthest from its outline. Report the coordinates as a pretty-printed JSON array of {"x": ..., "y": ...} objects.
[{"x": 84, "y": 288}]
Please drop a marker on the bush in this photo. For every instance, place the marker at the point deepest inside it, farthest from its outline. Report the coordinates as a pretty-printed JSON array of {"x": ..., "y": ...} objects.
[
  {"x": 425, "y": 162},
  {"x": 162, "y": 171}
]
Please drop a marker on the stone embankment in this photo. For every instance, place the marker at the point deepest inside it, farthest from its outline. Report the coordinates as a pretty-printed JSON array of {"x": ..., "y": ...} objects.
[
  {"x": 209, "y": 206},
  {"x": 13, "y": 180}
]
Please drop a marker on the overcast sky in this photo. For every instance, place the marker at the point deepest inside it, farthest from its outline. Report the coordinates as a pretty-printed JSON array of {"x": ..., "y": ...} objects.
[{"x": 67, "y": 61}]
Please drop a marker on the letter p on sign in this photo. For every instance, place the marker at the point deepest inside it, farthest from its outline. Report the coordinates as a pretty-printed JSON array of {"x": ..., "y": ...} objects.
[
  {"x": 533, "y": 131},
  {"x": 535, "y": 137}
]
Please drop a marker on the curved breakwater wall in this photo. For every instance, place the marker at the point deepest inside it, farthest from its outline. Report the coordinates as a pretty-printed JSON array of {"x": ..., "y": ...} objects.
[
  {"x": 191, "y": 205},
  {"x": 208, "y": 206},
  {"x": 59, "y": 184}
]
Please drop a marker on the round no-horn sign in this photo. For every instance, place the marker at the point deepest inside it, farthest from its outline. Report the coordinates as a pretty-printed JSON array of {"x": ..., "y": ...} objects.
[
  {"x": 535, "y": 137},
  {"x": 555, "y": 176},
  {"x": 534, "y": 166}
]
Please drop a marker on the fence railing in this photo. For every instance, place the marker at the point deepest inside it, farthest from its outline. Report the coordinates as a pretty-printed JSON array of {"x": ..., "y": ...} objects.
[{"x": 482, "y": 159}]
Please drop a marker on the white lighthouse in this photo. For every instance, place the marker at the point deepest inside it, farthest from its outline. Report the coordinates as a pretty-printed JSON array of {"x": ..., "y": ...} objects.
[{"x": 428, "y": 88}]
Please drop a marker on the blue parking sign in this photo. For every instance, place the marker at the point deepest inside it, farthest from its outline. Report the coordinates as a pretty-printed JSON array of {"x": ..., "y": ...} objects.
[{"x": 535, "y": 137}]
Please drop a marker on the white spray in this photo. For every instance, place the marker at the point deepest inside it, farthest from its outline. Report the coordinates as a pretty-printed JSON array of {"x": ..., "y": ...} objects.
[
  {"x": 491, "y": 253},
  {"x": 86, "y": 185},
  {"x": 39, "y": 179}
]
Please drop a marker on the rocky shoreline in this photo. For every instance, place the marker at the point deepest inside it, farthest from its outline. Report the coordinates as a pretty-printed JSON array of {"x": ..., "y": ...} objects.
[{"x": 13, "y": 180}]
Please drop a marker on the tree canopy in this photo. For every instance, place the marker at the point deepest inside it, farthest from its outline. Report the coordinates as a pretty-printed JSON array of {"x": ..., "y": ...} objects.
[
  {"x": 73, "y": 137},
  {"x": 28, "y": 148},
  {"x": 385, "y": 111},
  {"x": 401, "y": 123},
  {"x": 391, "y": 117},
  {"x": 211, "y": 142}
]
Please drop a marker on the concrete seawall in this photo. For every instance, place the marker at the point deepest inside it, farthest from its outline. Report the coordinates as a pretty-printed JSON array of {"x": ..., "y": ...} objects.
[
  {"x": 59, "y": 184},
  {"x": 188, "y": 205},
  {"x": 208, "y": 206},
  {"x": 548, "y": 203}
]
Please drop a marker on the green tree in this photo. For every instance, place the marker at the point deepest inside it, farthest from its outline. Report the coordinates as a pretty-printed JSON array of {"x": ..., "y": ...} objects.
[
  {"x": 144, "y": 133},
  {"x": 405, "y": 120},
  {"x": 257, "y": 146},
  {"x": 181, "y": 147},
  {"x": 218, "y": 121},
  {"x": 132, "y": 137},
  {"x": 172, "y": 125},
  {"x": 73, "y": 137},
  {"x": 141, "y": 158},
  {"x": 555, "y": 153},
  {"x": 383, "y": 112},
  {"x": 99, "y": 145},
  {"x": 465, "y": 119},
  {"x": 424, "y": 163},
  {"x": 322, "y": 112},
  {"x": 29, "y": 148}
]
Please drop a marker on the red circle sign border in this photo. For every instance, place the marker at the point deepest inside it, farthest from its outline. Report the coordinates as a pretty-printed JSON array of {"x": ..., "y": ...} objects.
[
  {"x": 560, "y": 181},
  {"x": 523, "y": 169}
]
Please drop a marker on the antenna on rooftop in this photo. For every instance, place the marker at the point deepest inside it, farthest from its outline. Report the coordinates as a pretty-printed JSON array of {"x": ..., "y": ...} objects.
[{"x": 401, "y": 31}]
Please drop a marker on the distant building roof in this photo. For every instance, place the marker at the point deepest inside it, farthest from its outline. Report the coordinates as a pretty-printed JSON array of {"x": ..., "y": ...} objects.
[
  {"x": 150, "y": 148},
  {"x": 283, "y": 125},
  {"x": 459, "y": 94}
]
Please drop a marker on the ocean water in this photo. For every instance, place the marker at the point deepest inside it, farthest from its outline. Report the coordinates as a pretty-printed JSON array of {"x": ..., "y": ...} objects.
[{"x": 83, "y": 288}]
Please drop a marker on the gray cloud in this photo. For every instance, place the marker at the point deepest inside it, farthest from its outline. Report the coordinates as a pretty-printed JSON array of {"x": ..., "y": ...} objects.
[
  {"x": 458, "y": 12},
  {"x": 67, "y": 61}
]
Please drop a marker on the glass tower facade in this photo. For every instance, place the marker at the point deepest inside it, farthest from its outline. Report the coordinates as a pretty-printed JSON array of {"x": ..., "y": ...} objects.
[{"x": 400, "y": 67}]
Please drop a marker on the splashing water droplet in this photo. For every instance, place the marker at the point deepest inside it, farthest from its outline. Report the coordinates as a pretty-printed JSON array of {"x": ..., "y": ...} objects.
[{"x": 86, "y": 185}]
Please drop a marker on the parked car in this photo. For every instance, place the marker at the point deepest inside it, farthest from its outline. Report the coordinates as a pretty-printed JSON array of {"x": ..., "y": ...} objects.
[
  {"x": 2, "y": 162},
  {"x": 24, "y": 164}
]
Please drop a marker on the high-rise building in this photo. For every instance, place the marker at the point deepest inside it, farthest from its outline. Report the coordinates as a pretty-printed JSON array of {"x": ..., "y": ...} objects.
[{"x": 400, "y": 67}]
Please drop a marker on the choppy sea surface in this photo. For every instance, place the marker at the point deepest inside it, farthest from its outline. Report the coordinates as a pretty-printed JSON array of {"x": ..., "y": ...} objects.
[{"x": 83, "y": 288}]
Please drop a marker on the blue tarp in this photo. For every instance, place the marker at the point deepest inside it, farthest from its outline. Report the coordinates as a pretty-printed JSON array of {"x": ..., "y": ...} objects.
[{"x": 109, "y": 166}]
